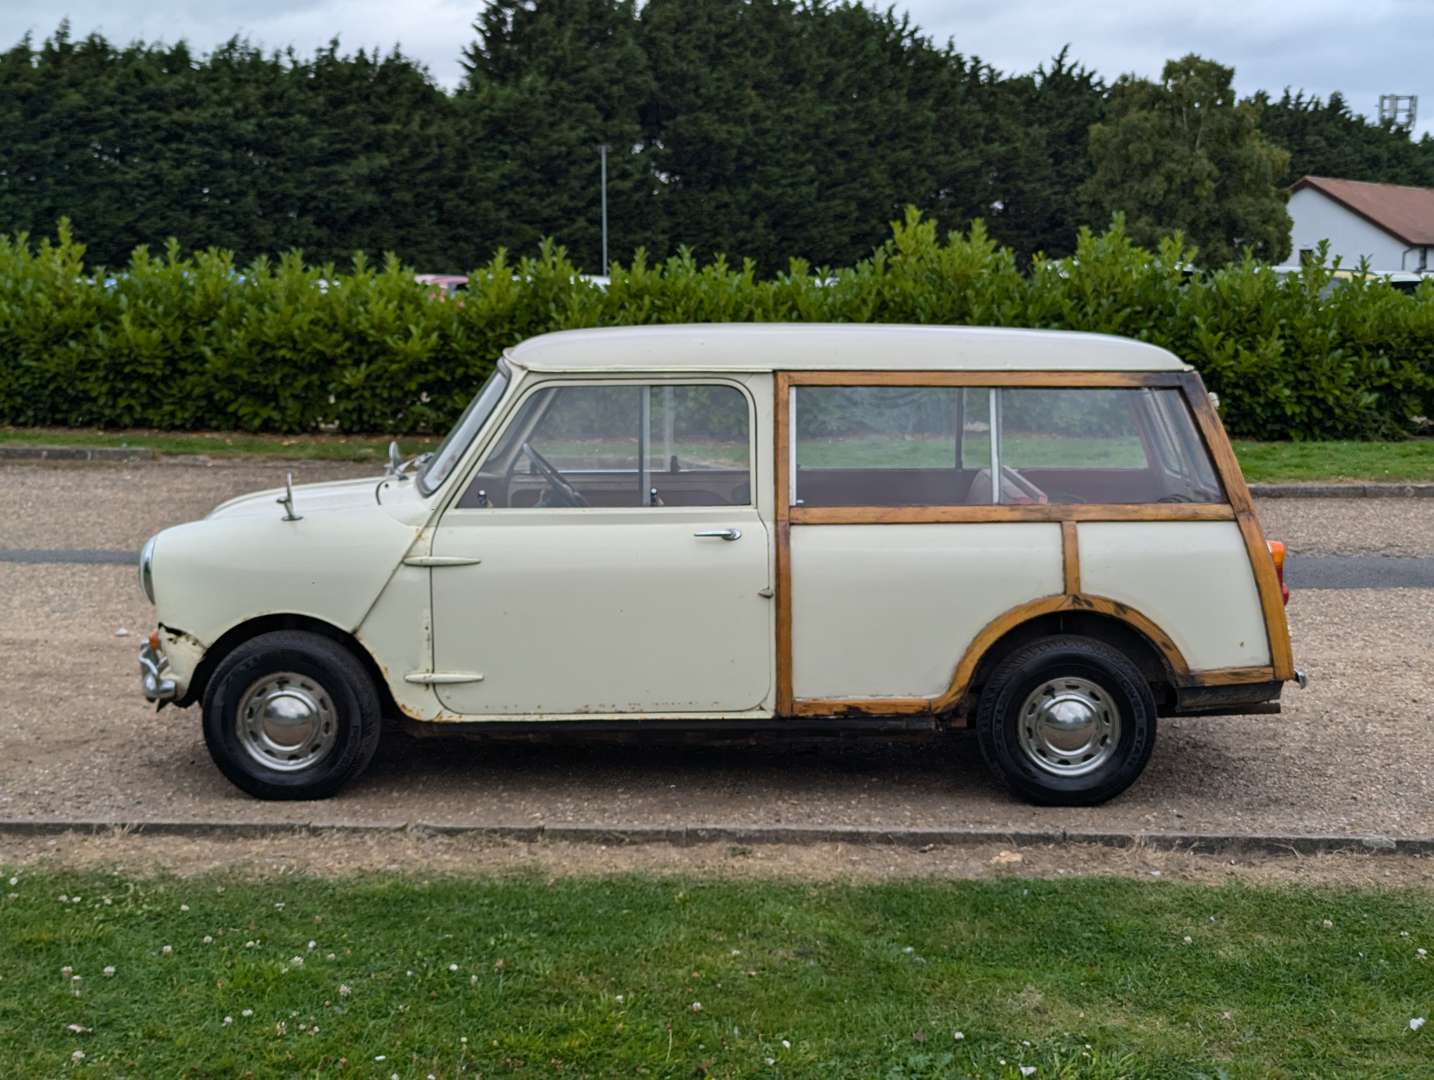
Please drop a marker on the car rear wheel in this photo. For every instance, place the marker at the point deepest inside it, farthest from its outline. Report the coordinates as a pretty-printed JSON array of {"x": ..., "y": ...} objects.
[
  {"x": 291, "y": 715},
  {"x": 1067, "y": 721}
]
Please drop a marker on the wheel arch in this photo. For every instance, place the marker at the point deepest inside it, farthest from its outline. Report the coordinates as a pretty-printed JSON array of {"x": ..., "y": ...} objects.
[
  {"x": 1109, "y": 621},
  {"x": 249, "y": 629}
]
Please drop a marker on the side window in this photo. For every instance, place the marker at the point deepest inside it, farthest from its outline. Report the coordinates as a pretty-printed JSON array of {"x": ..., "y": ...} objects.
[
  {"x": 1183, "y": 454},
  {"x": 888, "y": 445},
  {"x": 1070, "y": 429},
  {"x": 1103, "y": 446},
  {"x": 621, "y": 445},
  {"x": 975, "y": 446}
]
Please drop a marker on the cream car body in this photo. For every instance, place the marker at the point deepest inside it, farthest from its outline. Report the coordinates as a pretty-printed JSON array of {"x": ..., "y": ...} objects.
[{"x": 735, "y": 581}]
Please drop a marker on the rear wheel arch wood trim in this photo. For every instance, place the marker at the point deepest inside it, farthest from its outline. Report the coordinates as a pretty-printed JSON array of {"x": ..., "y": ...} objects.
[
  {"x": 988, "y": 636},
  {"x": 1003, "y": 624}
]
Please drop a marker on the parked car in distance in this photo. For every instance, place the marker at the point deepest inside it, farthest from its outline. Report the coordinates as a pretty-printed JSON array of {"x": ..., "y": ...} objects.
[
  {"x": 443, "y": 285},
  {"x": 1405, "y": 281},
  {"x": 784, "y": 529}
]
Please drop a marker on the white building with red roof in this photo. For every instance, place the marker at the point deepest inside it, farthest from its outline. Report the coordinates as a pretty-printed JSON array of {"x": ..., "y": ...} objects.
[{"x": 1389, "y": 224}]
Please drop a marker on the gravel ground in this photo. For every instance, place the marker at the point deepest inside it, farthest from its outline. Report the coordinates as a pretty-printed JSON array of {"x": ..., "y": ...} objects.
[
  {"x": 121, "y": 506},
  {"x": 1351, "y": 755},
  {"x": 1351, "y": 526},
  {"x": 331, "y": 855}
]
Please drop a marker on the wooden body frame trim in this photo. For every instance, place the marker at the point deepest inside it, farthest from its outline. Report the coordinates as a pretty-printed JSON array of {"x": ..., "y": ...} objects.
[
  {"x": 1239, "y": 507},
  {"x": 1109, "y": 379},
  {"x": 1262, "y": 563},
  {"x": 1071, "y": 512}
]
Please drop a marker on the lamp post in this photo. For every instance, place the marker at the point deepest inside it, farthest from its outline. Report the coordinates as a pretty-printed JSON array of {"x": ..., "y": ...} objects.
[{"x": 602, "y": 149}]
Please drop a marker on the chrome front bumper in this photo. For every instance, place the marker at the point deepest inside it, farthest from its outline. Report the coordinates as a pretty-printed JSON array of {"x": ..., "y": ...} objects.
[{"x": 152, "y": 680}]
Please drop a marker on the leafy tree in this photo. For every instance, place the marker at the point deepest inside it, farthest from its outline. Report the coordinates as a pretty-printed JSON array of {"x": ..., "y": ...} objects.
[
  {"x": 546, "y": 84},
  {"x": 1184, "y": 155},
  {"x": 1044, "y": 122},
  {"x": 765, "y": 129},
  {"x": 1326, "y": 138},
  {"x": 783, "y": 128}
]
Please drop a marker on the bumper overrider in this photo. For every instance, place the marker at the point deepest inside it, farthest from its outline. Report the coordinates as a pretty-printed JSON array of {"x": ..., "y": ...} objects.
[
  {"x": 152, "y": 666},
  {"x": 153, "y": 663}
]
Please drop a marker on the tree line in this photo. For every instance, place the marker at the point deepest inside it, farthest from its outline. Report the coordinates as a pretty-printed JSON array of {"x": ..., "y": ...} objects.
[{"x": 762, "y": 129}]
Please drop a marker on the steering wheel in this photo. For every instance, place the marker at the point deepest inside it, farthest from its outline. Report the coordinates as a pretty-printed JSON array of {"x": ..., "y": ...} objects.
[{"x": 562, "y": 492}]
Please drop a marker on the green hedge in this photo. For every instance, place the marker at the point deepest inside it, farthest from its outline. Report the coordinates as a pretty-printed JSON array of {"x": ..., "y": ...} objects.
[{"x": 192, "y": 342}]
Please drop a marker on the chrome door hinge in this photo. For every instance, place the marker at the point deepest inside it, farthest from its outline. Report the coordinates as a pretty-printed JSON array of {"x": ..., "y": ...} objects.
[{"x": 442, "y": 678}]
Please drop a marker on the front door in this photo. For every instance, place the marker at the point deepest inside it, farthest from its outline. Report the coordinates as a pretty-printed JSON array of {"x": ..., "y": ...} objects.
[{"x": 622, "y": 562}]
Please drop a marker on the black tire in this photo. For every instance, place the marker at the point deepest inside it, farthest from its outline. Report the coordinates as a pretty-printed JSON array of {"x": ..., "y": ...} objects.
[
  {"x": 999, "y": 720},
  {"x": 356, "y": 714}
]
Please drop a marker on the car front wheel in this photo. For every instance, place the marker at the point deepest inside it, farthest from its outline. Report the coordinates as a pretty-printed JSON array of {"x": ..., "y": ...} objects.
[
  {"x": 1067, "y": 721},
  {"x": 291, "y": 715}
]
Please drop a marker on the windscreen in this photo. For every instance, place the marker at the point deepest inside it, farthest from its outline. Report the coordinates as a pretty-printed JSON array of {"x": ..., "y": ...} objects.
[{"x": 459, "y": 438}]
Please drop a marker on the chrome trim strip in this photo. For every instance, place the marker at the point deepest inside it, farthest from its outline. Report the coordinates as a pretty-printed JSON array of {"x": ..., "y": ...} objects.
[
  {"x": 440, "y": 560},
  {"x": 442, "y": 678}
]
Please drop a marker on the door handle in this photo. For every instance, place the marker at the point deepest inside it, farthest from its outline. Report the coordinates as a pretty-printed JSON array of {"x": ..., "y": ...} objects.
[{"x": 721, "y": 534}]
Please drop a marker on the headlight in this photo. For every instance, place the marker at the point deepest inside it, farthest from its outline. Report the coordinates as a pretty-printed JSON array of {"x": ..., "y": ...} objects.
[{"x": 146, "y": 568}]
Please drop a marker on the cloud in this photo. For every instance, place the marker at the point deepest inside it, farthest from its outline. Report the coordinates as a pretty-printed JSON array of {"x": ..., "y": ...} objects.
[{"x": 1364, "y": 50}]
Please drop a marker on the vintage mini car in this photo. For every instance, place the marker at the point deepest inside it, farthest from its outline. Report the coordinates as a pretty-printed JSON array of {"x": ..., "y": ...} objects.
[{"x": 778, "y": 529}]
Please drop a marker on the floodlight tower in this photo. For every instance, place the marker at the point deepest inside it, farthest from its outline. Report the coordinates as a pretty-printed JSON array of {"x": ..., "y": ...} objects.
[{"x": 1401, "y": 110}]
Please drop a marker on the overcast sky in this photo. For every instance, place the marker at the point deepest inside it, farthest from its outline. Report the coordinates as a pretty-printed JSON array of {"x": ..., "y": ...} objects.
[{"x": 1364, "y": 48}]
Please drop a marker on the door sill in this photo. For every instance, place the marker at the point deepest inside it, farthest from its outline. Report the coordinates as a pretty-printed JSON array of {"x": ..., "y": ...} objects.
[{"x": 681, "y": 726}]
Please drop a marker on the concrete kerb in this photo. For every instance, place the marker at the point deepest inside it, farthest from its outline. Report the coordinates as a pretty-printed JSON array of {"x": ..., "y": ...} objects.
[
  {"x": 742, "y": 835},
  {"x": 76, "y": 453},
  {"x": 1342, "y": 491}
]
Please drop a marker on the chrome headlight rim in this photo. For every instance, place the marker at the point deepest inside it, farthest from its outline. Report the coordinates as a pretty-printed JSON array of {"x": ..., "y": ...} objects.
[{"x": 146, "y": 567}]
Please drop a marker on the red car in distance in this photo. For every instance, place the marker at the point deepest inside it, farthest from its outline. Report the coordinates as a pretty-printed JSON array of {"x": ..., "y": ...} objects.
[{"x": 443, "y": 285}]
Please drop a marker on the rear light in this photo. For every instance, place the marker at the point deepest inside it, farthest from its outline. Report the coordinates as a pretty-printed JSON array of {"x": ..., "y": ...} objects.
[{"x": 1277, "y": 552}]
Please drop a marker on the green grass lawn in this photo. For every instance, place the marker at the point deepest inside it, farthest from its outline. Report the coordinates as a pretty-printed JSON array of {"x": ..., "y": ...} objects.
[
  {"x": 659, "y": 977},
  {"x": 1409, "y": 461}
]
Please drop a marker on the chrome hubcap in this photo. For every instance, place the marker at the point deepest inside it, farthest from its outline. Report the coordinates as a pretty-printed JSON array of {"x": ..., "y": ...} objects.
[
  {"x": 287, "y": 722},
  {"x": 1069, "y": 726}
]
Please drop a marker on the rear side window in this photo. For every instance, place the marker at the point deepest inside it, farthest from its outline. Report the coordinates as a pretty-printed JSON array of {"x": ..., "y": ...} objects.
[
  {"x": 888, "y": 445},
  {"x": 974, "y": 446}
]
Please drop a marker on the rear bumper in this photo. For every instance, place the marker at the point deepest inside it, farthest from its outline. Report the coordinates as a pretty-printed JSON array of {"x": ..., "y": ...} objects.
[{"x": 1232, "y": 700}]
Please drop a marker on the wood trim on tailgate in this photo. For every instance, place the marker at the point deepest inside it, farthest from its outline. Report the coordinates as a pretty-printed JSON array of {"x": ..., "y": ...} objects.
[{"x": 1262, "y": 564}]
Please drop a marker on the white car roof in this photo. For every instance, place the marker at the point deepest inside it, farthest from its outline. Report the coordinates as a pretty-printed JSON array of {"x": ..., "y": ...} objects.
[{"x": 834, "y": 347}]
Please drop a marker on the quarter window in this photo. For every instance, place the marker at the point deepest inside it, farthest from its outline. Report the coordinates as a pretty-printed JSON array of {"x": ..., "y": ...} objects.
[
  {"x": 969, "y": 446},
  {"x": 888, "y": 445},
  {"x": 614, "y": 445}
]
